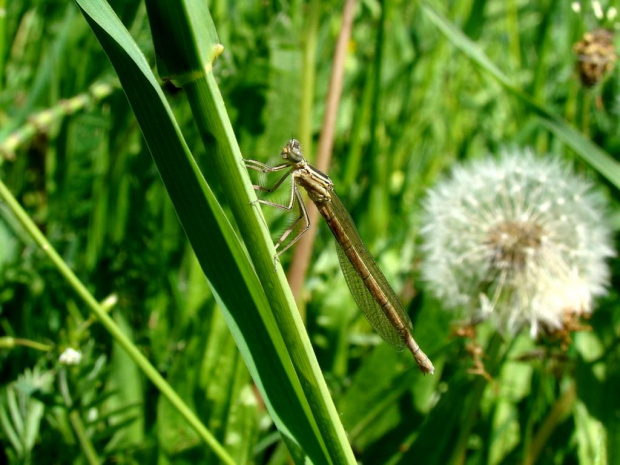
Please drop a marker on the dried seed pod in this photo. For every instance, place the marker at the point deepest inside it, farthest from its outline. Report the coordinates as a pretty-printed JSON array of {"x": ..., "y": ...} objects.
[{"x": 596, "y": 56}]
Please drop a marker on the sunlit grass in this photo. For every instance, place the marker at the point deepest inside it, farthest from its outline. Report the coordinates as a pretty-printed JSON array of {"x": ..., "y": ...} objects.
[{"x": 424, "y": 89}]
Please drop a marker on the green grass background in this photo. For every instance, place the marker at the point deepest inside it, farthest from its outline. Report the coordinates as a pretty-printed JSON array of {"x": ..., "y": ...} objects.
[{"x": 427, "y": 85}]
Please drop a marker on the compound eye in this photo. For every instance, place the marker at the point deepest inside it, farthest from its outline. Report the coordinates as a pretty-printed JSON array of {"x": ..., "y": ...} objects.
[{"x": 295, "y": 149}]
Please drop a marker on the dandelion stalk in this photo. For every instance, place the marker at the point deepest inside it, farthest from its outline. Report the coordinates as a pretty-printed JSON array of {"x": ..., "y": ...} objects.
[
  {"x": 559, "y": 411},
  {"x": 492, "y": 358}
]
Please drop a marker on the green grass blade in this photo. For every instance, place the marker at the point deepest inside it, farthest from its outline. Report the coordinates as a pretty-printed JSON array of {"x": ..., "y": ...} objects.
[
  {"x": 231, "y": 276},
  {"x": 90, "y": 301},
  {"x": 188, "y": 47},
  {"x": 590, "y": 152}
]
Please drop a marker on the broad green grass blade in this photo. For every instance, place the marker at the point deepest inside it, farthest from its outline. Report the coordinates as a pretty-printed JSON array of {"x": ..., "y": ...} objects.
[
  {"x": 590, "y": 152},
  {"x": 186, "y": 41},
  {"x": 217, "y": 248}
]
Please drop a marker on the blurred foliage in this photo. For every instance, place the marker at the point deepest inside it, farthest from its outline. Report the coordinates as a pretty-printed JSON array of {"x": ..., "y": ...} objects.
[{"x": 412, "y": 106}]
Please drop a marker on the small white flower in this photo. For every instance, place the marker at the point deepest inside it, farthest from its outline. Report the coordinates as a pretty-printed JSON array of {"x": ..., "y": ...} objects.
[
  {"x": 519, "y": 240},
  {"x": 70, "y": 357}
]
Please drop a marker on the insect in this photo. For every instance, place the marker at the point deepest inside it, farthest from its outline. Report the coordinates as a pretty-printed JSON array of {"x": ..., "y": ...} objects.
[{"x": 369, "y": 287}]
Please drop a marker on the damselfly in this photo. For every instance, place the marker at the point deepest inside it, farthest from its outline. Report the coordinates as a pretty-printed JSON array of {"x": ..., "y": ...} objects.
[{"x": 369, "y": 287}]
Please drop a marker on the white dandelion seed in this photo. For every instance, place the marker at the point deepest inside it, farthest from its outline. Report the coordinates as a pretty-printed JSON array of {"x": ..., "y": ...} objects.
[{"x": 519, "y": 240}]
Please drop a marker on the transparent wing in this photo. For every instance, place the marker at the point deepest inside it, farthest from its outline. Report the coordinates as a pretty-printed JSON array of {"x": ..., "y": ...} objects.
[{"x": 363, "y": 297}]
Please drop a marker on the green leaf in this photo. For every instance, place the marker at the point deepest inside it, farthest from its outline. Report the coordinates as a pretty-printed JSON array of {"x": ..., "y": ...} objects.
[
  {"x": 226, "y": 168},
  {"x": 231, "y": 276}
]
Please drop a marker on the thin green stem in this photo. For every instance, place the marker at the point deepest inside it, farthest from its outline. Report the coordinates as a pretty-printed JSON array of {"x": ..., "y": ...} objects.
[
  {"x": 33, "y": 344},
  {"x": 558, "y": 412},
  {"x": 76, "y": 421},
  {"x": 378, "y": 207},
  {"x": 131, "y": 350},
  {"x": 80, "y": 432},
  {"x": 512, "y": 26},
  {"x": 585, "y": 113},
  {"x": 46, "y": 118},
  {"x": 492, "y": 353},
  {"x": 309, "y": 75},
  {"x": 2, "y": 41}
]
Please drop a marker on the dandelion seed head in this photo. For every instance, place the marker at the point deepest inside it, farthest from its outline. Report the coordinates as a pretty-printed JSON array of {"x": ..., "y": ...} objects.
[{"x": 519, "y": 240}]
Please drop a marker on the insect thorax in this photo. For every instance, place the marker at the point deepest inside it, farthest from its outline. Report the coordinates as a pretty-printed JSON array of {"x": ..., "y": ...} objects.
[{"x": 317, "y": 184}]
